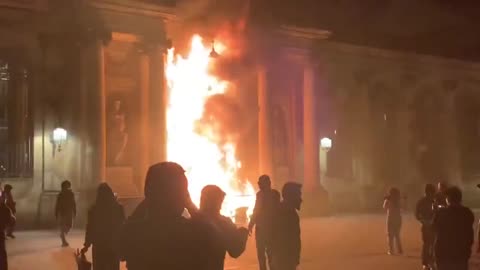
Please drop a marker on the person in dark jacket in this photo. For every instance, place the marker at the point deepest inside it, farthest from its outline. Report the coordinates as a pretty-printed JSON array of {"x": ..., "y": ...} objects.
[
  {"x": 7, "y": 196},
  {"x": 424, "y": 213},
  {"x": 229, "y": 238},
  {"x": 267, "y": 201},
  {"x": 286, "y": 242},
  {"x": 453, "y": 227},
  {"x": 393, "y": 205},
  {"x": 440, "y": 200},
  {"x": 65, "y": 210},
  {"x": 104, "y": 220},
  {"x": 158, "y": 236},
  {"x": 6, "y": 219}
]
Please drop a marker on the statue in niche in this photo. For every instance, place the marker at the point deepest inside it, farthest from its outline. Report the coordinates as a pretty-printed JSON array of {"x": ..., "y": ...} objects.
[
  {"x": 280, "y": 136},
  {"x": 117, "y": 134}
]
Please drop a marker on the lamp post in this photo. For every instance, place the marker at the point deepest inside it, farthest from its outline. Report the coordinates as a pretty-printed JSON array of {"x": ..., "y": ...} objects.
[
  {"x": 325, "y": 146},
  {"x": 59, "y": 137}
]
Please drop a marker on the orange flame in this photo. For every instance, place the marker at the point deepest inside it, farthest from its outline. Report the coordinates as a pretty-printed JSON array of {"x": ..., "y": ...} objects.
[{"x": 206, "y": 159}]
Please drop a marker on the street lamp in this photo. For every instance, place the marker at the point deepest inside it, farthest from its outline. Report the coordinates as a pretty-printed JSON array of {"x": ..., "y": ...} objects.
[
  {"x": 59, "y": 137},
  {"x": 326, "y": 144}
]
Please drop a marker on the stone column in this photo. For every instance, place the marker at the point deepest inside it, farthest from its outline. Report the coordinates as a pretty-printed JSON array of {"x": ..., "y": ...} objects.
[
  {"x": 264, "y": 124},
  {"x": 158, "y": 106},
  {"x": 99, "y": 115},
  {"x": 451, "y": 151},
  {"x": 404, "y": 138},
  {"x": 144, "y": 157},
  {"x": 311, "y": 141}
]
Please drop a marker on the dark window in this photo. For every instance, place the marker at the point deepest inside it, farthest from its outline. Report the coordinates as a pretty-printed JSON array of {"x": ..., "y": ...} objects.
[{"x": 16, "y": 126}]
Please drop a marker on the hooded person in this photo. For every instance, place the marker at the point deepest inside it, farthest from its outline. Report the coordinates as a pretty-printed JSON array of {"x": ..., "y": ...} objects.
[
  {"x": 158, "y": 236},
  {"x": 230, "y": 239},
  {"x": 266, "y": 203},
  {"x": 286, "y": 241},
  {"x": 105, "y": 218}
]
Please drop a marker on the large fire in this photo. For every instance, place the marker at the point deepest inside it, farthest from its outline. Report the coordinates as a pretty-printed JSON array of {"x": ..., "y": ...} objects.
[{"x": 207, "y": 158}]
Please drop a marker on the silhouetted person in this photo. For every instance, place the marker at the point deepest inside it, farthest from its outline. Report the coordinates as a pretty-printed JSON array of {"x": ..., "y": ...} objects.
[
  {"x": 158, "y": 236},
  {"x": 229, "y": 238},
  {"x": 6, "y": 220},
  {"x": 266, "y": 203},
  {"x": 104, "y": 221},
  {"x": 440, "y": 196},
  {"x": 65, "y": 210},
  {"x": 453, "y": 226},
  {"x": 393, "y": 205},
  {"x": 424, "y": 213},
  {"x": 286, "y": 243},
  {"x": 7, "y": 196}
]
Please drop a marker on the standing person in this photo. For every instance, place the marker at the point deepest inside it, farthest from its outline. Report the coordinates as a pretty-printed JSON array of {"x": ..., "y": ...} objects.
[
  {"x": 393, "y": 205},
  {"x": 267, "y": 201},
  {"x": 104, "y": 220},
  {"x": 65, "y": 210},
  {"x": 230, "y": 239},
  {"x": 286, "y": 243},
  {"x": 424, "y": 213},
  {"x": 10, "y": 203},
  {"x": 158, "y": 236},
  {"x": 6, "y": 220},
  {"x": 453, "y": 226},
  {"x": 440, "y": 196}
]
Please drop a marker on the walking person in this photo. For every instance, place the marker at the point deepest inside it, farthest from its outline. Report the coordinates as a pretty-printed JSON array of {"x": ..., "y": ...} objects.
[
  {"x": 6, "y": 220},
  {"x": 393, "y": 205},
  {"x": 230, "y": 238},
  {"x": 65, "y": 210},
  {"x": 105, "y": 218},
  {"x": 7, "y": 196},
  {"x": 453, "y": 227},
  {"x": 424, "y": 213},
  {"x": 267, "y": 201},
  {"x": 286, "y": 242}
]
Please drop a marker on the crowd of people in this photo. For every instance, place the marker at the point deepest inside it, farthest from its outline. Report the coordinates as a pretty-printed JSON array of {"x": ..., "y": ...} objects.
[
  {"x": 446, "y": 227},
  {"x": 167, "y": 231},
  {"x": 158, "y": 235}
]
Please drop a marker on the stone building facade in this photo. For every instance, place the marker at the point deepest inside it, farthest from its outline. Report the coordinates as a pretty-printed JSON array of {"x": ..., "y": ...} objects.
[{"x": 96, "y": 68}]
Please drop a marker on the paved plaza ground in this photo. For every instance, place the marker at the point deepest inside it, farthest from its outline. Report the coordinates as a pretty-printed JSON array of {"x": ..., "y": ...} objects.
[{"x": 333, "y": 243}]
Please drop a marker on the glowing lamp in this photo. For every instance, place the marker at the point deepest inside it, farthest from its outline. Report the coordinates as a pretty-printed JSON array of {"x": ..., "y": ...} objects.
[
  {"x": 59, "y": 137},
  {"x": 326, "y": 144}
]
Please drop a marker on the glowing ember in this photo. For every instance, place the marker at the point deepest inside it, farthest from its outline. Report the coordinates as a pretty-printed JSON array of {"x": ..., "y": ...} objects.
[{"x": 207, "y": 159}]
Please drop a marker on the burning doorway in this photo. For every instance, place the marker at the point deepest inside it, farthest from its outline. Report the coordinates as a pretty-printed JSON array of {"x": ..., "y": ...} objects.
[{"x": 196, "y": 136}]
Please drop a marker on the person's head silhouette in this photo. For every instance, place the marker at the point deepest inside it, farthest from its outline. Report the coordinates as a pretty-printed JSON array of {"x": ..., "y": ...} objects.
[
  {"x": 105, "y": 194},
  {"x": 166, "y": 189},
  {"x": 66, "y": 185},
  {"x": 292, "y": 194},
  {"x": 211, "y": 200},
  {"x": 264, "y": 182},
  {"x": 454, "y": 196}
]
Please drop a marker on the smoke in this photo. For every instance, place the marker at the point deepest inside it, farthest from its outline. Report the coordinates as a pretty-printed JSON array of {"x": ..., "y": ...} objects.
[
  {"x": 226, "y": 117},
  {"x": 223, "y": 20}
]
